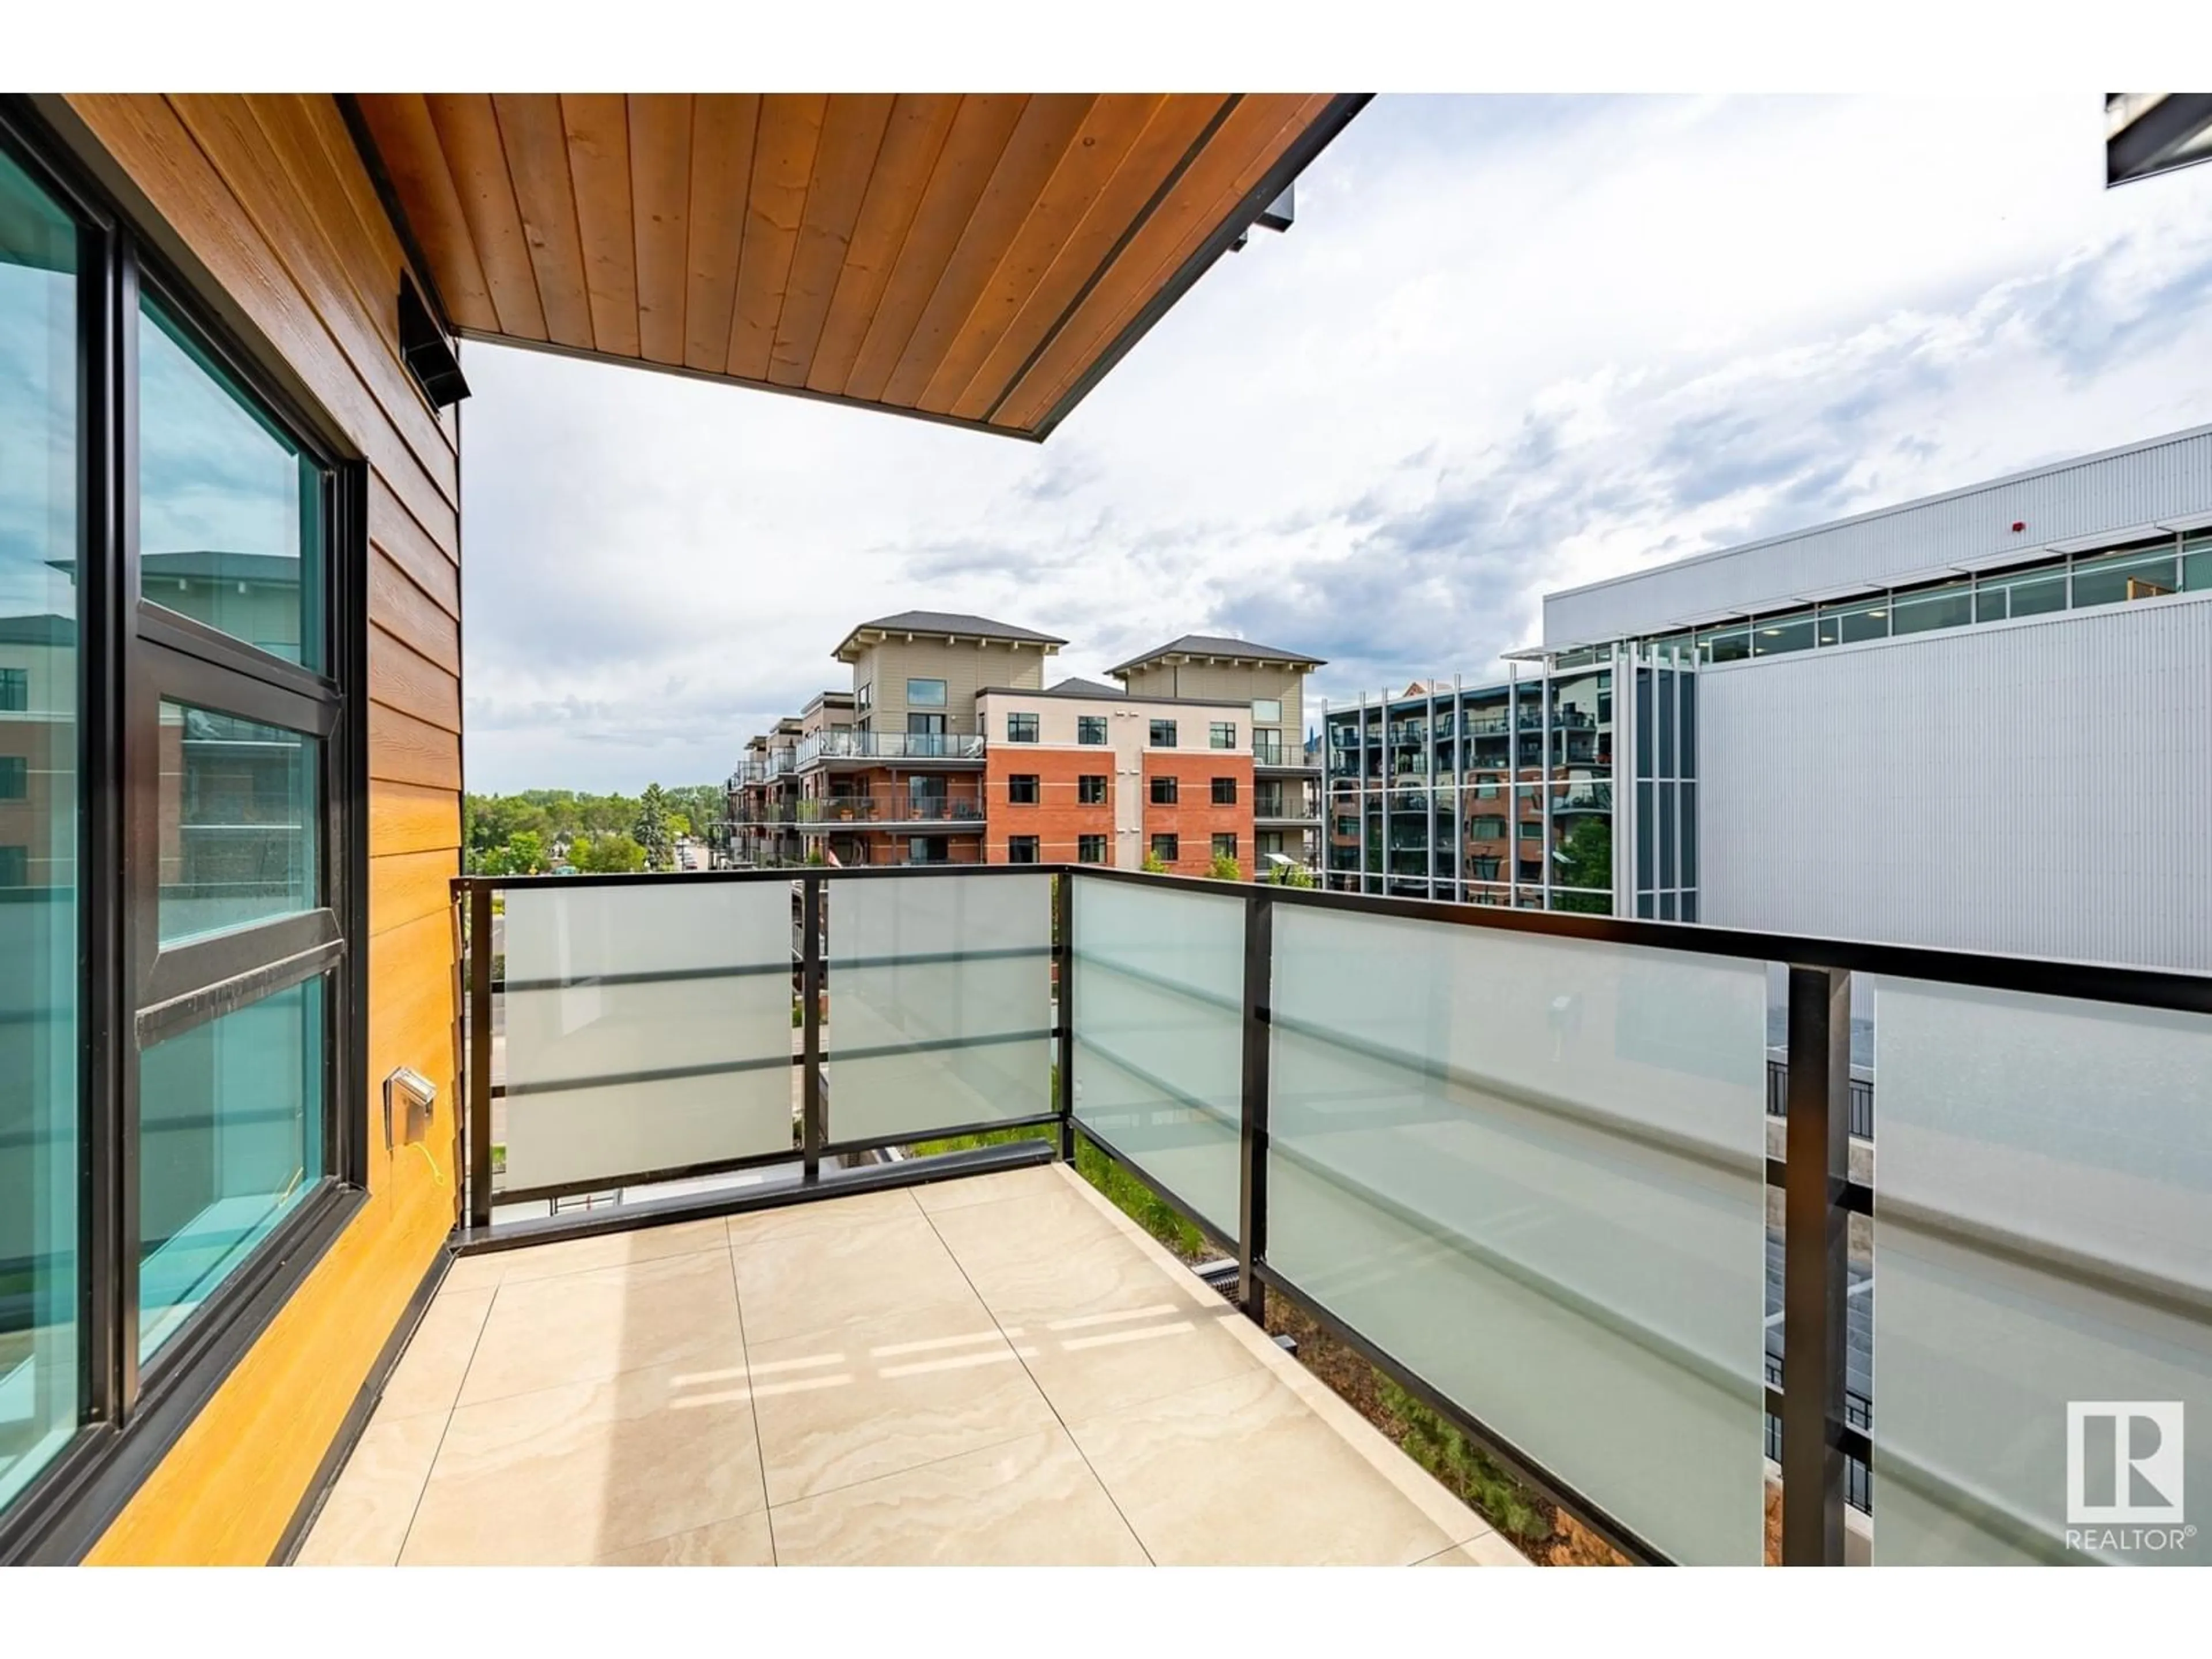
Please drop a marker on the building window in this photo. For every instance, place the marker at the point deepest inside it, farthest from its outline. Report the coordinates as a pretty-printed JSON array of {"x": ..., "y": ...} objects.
[
  {"x": 1090, "y": 790},
  {"x": 1221, "y": 734},
  {"x": 1267, "y": 748},
  {"x": 1022, "y": 788},
  {"x": 925, "y": 694},
  {"x": 1090, "y": 850},
  {"x": 1225, "y": 847},
  {"x": 1166, "y": 791},
  {"x": 1485, "y": 869},
  {"x": 928, "y": 849},
  {"x": 1091, "y": 728},
  {"x": 1163, "y": 734},
  {"x": 1166, "y": 848},
  {"x": 221, "y": 1058},
  {"x": 1532, "y": 829},
  {"x": 1021, "y": 728},
  {"x": 1022, "y": 850},
  {"x": 1485, "y": 828},
  {"x": 1267, "y": 711},
  {"x": 1225, "y": 792},
  {"x": 864, "y": 698}
]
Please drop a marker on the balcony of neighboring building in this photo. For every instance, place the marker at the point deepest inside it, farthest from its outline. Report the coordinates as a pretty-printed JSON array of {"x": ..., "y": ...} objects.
[{"x": 848, "y": 750}]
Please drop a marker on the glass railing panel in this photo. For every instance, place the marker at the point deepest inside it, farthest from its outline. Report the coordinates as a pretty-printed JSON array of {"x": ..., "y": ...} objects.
[
  {"x": 1532, "y": 1171},
  {"x": 2042, "y": 1265},
  {"x": 941, "y": 1003},
  {"x": 1159, "y": 1007},
  {"x": 648, "y": 1029}
]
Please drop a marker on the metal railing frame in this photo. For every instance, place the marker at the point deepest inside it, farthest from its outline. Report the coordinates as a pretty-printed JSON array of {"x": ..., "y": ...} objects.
[{"x": 1818, "y": 1441}]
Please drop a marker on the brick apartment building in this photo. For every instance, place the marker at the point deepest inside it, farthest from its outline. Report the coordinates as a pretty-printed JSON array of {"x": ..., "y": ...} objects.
[{"x": 950, "y": 748}]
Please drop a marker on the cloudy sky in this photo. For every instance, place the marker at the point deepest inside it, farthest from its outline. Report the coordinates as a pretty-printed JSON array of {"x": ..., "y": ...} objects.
[{"x": 1512, "y": 344}]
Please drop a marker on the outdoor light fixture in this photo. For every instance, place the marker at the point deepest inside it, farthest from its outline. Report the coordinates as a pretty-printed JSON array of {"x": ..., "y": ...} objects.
[{"x": 429, "y": 355}]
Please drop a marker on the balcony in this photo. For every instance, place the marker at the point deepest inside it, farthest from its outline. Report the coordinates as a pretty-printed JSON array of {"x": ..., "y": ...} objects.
[
  {"x": 871, "y": 811},
  {"x": 1519, "y": 1161},
  {"x": 828, "y": 746}
]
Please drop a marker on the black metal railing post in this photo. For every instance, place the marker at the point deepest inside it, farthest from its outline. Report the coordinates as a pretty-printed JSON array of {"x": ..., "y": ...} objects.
[
  {"x": 480, "y": 954},
  {"x": 1816, "y": 1267},
  {"x": 810, "y": 1126},
  {"x": 1252, "y": 1195},
  {"x": 1063, "y": 956}
]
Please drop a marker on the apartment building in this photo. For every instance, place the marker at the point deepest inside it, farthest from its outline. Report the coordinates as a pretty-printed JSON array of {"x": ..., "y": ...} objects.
[
  {"x": 1270, "y": 684},
  {"x": 1084, "y": 773}
]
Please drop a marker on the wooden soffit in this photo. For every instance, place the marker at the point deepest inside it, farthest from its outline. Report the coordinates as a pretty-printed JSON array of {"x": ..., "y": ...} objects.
[{"x": 982, "y": 259}]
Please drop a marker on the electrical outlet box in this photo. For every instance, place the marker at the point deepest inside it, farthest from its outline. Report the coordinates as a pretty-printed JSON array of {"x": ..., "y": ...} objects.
[{"x": 411, "y": 1102}]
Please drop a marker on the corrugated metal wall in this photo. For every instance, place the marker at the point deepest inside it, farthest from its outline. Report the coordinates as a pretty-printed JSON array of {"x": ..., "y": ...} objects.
[
  {"x": 2118, "y": 490},
  {"x": 2040, "y": 787}
]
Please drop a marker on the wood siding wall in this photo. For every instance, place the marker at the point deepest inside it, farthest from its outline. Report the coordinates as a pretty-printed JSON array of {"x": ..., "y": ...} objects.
[{"x": 263, "y": 203}]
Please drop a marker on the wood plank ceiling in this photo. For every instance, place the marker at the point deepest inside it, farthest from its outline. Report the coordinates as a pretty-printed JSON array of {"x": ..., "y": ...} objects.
[{"x": 981, "y": 258}]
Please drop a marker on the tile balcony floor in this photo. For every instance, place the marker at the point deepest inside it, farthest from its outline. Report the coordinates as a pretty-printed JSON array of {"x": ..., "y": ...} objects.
[{"x": 1002, "y": 1370}]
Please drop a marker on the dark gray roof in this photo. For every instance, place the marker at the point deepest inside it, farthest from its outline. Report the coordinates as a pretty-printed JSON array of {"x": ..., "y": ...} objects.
[
  {"x": 1214, "y": 645},
  {"x": 953, "y": 622},
  {"x": 1082, "y": 688}
]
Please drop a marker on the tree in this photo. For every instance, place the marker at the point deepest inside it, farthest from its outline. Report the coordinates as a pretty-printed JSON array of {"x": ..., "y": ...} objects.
[
  {"x": 651, "y": 831},
  {"x": 615, "y": 854},
  {"x": 1290, "y": 875},
  {"x": 1155, "y": 864},
  {"x": 525, "y": 853},
  {"x": 1225, "y": 868},
  {"x": 679, "y": 825},
  {"x": 1586, "y": 860}
]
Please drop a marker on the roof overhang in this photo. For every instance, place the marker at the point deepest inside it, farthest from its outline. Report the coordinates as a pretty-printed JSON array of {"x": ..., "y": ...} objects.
[
  {"x": 2147, "y": 133},
  {"x": 983, "y": 260},
  {"x": 866, "y": 638}
]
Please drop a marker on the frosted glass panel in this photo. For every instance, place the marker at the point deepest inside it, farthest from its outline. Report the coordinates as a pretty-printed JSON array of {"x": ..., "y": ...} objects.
[
  {"x": 648, "y": 1028},
  {"x": 2043, "y": 1235},
  {"x": 1159, "y": 1057},
  {"x": 1532, "y": 1170},
  {"x": 941, "y": 1003}
]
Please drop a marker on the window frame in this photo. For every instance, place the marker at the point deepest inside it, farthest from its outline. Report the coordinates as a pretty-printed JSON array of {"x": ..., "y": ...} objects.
[
  {"x": 1091, "y": 729},
  {"x": 1091, "y": 789},
  {"x": 1152, "y": 736},
  {"x": 1016, "y": 846},
  {"x": 1084, "y": 846},
  {"x": 1174, "y": 853},
  {"x": 1173, "y": 785},
  {"x": 1021, "y": 726},
  {"x": 1015, "y": 795},
  {"x": 1225, "y": 792},
  {"x": 1221, "y": 734},
  {"x": 132, "y": 992}
]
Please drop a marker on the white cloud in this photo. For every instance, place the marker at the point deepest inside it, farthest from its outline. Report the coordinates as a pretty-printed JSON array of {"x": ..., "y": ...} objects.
[{"x": 1510, "y": 344}]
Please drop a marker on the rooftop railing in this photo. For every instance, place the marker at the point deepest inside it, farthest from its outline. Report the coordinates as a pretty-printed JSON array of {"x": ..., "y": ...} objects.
[
  {"x": 891, "y": 746},
  {"x": 1518, "y": 1160}
]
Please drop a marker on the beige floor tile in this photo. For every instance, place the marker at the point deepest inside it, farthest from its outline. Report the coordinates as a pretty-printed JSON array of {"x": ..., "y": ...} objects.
[
  {"x": 475, "y": 1273},
  {"x": 576, "y": 1256},
  {"x": 792, "y": 1283},
  {"x": 871, "y": 1397},
  {"x": 364, "y": 1522},
  {"x": 1089, "y": 1364},
  {"x": 969, "y": 1190},
  {"x": 1491, "y": 1549},
  {"x": 743, "y": 1542},
  {"x": 427, "y": 1378},
  {"x": 564, "y": 1476},
  {"x": 1030, "y": 1502},
  {"x": 580, "y": 1326},
  {"x": 1242, "y": 1473},
  {"x": 1054, "y": 1257},
  {"x": 821, "y": 1215}
]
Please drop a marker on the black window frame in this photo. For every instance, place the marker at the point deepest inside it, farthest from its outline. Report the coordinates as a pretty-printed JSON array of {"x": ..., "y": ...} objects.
[
  {"x": 1091, "y": 789},
  {"x": 1091, "y": 729},
  {"x": 1225, "y": 792},
  {"x": 15, "y": 777},
  {"x": 1169, "y": 783},
  {"x": 1024, "y": 849},
  {"x": 133, "y": 991},
  {"x": 1090, "y": 850},
  {"x": 1024, "y": 789},
  {"x": 1022, "y": 726},
  {"x": 1156, "y": 741},
  {"x": 1221, "y": 734},
  {"x": 1167, "y": 849},
  {"x": 1229, "y": 835}
]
